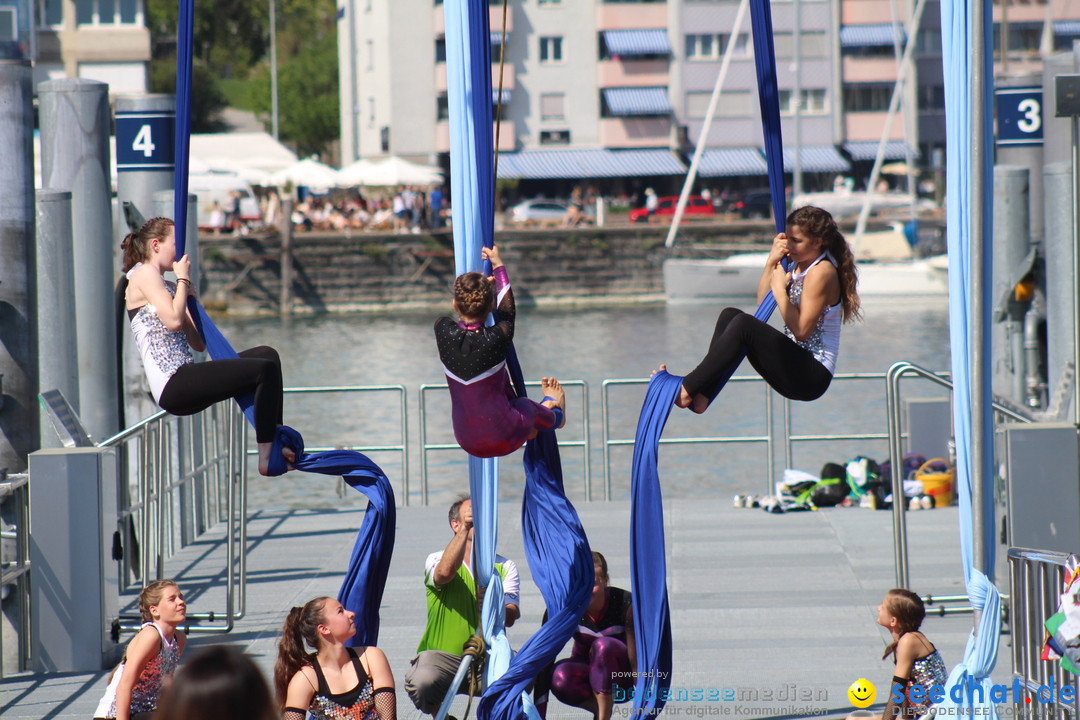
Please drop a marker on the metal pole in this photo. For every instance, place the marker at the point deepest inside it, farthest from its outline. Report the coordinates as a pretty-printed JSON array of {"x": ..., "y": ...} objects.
[
  {"x": 978, "y": 266},
  {"x": 75, "y": 124},
  {"x": 285, "y": 229},
  {"x": 1076, "y": 264},
  {"x": 18, "y": 352},
  {"x": 273, "y": 69},
  {"x": 58, "y": 368},
  {"x": 796, "y": 101}
]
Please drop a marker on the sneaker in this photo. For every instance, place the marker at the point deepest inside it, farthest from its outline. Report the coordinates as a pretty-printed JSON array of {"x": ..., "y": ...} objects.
[
  {"x": 914, "y": 504},
  {"x": 927, "y": 502}
]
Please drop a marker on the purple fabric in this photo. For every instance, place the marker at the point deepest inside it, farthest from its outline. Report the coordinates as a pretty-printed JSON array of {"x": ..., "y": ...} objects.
[
  {"x": 489, "y": 421},
  {"x": 501, "y": 278},
  {"x": 576, "y": 679}
]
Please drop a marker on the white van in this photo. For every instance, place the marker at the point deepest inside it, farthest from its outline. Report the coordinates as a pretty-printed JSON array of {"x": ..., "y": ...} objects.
[{"x": 218, "y": 185}]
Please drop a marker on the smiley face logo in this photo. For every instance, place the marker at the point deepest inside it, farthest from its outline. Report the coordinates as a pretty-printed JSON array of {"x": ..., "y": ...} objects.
[{"x": 862, "y": 693}]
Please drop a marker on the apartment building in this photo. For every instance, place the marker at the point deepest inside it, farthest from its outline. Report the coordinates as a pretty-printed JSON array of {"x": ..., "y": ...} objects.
[
  {"x": 620, "y": 88},
  {"x": 104, "y": 40}
]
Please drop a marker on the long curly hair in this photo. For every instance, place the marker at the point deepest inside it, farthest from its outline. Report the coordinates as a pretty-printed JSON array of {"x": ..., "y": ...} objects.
[
  {"x": 301, "y": 626},
  {"x": 909, "y": 611},
  {"x": 474, "y": 294},
  {"x": 135, "y": 245},
  {"x": 818, "y": 223}
]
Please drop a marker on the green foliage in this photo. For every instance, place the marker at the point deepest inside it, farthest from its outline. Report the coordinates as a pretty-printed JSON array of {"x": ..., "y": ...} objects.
[{"x": 207, "y": 97}]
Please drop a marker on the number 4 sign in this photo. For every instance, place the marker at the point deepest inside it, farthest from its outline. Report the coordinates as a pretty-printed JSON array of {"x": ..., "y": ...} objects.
[{"x": 144, "y": 141}]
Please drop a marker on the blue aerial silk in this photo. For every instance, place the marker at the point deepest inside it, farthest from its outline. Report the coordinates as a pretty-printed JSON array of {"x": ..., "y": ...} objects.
[
  {"x": 362, "y": 590},
  {"x": 652, "y": 616},
  {"x": 957, "y": 39},
  {"x": 555, "y": 543}
]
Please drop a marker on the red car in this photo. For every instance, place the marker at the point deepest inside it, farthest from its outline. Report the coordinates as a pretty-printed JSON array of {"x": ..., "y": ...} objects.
[{"x": 695, "y": 205}]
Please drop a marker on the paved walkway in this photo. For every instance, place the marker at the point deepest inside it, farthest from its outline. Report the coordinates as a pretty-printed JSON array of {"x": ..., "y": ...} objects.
[{"x": 780, "y": 608}]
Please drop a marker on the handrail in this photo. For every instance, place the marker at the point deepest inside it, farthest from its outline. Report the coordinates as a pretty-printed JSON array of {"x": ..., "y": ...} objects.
[{"x": 17, "y": 487}]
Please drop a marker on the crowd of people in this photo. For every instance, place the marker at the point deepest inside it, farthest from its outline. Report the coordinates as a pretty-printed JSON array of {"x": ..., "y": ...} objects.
[{"x": 410, "y": 209}]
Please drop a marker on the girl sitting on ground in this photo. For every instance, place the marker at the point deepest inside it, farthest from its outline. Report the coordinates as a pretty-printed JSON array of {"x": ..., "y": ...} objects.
[
  {"x": 489, "y": 419},
  {"x": 151, "y": 656},
  {"x": 166, "y": 335},
  {"x": 336, "y": 681},
  {"x": 917, "y": 660},
  {"x": 813, "y": 298}
]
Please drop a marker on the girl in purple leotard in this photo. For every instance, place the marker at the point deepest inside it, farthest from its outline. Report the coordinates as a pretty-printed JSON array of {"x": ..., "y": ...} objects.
[{"x": 489, "y": 419}]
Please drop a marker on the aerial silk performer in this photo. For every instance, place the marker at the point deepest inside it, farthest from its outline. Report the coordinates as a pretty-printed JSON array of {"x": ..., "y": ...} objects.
[
  {"x": 362, "y": 590},
  {"x": 648, "y": 568},
  {"x": 555, "y": 545},
  {"x": 970, "y": 189}
]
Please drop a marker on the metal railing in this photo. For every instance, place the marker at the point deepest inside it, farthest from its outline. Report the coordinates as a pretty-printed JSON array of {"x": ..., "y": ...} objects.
[
  {"x": 1036, "y": 578},
  {"x": 609, "y": 442},
  {"x": 16, "y": 572},
  {"x": 426, "y": 447},
  {"x": 179, "y": 477}
]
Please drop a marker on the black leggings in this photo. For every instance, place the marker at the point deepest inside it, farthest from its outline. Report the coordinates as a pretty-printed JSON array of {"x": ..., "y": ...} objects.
[
  {"x": 196, "y": 386},
  {"x": 790, "y": 369}
]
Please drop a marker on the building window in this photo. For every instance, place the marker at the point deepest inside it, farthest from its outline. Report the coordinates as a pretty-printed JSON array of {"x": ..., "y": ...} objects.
[
  {"x": 91, "y": 12},
  {"x": 551, "y": 49},
  {"x": 813, "y": 102},
  {"x": 931, "y": 97},
  {"x": 442, "y": 107},
  {"x": 440, "y": 49},
  {"x": 371, "y": 112},
  {"x": 548, "y": 3},
  {"x": 743, "y": 47},
  {"x": 552, "y": 106},
  {"x": 867, "y": 97},
  {"x": 701, "y": 46},
  {"x": 554, "y": 137},
  {"x": 370, "y": 54},
  {"x": 813, "y": 44},
  {"x": 1024, "y": 38}
]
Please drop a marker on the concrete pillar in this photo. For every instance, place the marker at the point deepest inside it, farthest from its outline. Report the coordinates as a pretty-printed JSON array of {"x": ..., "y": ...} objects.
[
  {"x": 1060, "y": 261},
  {"x": 1011, "y": 247},
  {"x": 74, "y": 119}
]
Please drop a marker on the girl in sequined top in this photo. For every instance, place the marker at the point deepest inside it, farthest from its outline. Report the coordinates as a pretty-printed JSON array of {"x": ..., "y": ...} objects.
[
  {"x": 151, "y": 656},
  {"x": 812, "y": 298},
  {"x": 918, "y": 663},
  {"x": 336, "y": 682},
  {"x": 166, "y": 334},
  {"x": 489, "y": 419}
]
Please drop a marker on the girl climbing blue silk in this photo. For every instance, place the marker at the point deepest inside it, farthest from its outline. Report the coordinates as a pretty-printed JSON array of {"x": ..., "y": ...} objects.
[
  {"x": 647, "y": 563},
  {"x": 555, "y": 544},
  {"x": 362, "y": 590}
]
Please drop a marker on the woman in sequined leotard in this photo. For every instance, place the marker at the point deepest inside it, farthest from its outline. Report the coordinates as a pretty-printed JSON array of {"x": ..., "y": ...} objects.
[
  {"x": 812, "y": 299},
  {"x": 151, "y": 656},
  {"x": 918, "y": 662},
  {"x": 489, "y": 419},
  {"x": 337, "y": 682},
  {"x": 166, "y": 334}
]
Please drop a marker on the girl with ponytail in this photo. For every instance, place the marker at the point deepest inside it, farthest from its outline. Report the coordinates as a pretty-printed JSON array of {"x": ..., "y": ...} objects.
[
  {"x": 813, "y": 298},
  {"x": 334, "y": 681},
  {"x": 166, "y": 335},
  {"x": 489, "y": 419}
]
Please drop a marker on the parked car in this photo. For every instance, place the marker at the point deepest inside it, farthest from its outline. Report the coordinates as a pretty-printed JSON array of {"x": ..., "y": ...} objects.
[
  {"x": 754, "y": 205},
  {"x": 695, "y": 205},
  {"x": 538, "y": 210}
]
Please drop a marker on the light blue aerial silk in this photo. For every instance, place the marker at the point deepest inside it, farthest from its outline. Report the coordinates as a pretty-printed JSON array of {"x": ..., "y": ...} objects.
[
  {"x": 648, "y": 567},
  {"x": 555, "y": 543},
  {"x": 980, "y": 654},
  {"x": 365, "y": 578}
]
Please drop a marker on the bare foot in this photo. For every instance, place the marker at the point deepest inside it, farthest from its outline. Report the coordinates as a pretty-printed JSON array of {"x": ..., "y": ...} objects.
[
  {"x": 700, "y": 402},
  {"x": 264, "y": 457},
  {"x": 684, "y": 399},
  {"x": 553, "y": 389}
]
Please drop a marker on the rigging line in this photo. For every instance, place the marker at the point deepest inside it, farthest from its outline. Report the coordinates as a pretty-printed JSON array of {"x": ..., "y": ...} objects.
[{"x": 498, "y": 106}]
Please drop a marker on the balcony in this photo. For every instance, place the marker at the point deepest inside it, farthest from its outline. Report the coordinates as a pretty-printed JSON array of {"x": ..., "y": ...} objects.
[
  {"x": 635, "y": 132},
  {"x": 631, "y": 16},
  {"x": 866, "y": 126},
  {"x": 507, "y": 139},
  {"x": 869, "y": 69},
  {"x": 632, "y": 72}
]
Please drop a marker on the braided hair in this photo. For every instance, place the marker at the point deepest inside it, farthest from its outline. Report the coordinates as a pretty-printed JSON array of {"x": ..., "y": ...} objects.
[
  {"x": 909, "y": 611},
  {"x": 474, "y": 295}
]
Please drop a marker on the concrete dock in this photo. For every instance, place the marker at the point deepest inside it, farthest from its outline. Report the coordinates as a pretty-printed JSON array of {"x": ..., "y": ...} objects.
[{"x": 779, "y": 608}]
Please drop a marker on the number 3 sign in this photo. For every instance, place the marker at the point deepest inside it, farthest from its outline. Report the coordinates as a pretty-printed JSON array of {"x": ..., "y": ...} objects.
[{"x": 1019, "y": 115}]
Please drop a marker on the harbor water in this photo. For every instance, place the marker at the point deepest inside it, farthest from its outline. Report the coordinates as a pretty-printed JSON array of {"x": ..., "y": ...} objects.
[{"x": 590, "y": 345}]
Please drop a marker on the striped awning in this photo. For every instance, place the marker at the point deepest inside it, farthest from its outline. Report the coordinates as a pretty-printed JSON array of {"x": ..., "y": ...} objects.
[
  {"x": 816, "y": 158},
  {"x": 505, "y": 96},
  {"x": 630, "y": 43},
  {"x": 582, "y": 164},
  {"x": 862, "y": 151},
  {"x": 727, "y": 162},
  {"x": 637, "y": 101},
  {"x": 870, "y": 35},
  {"x": 1067, "y": 27}
]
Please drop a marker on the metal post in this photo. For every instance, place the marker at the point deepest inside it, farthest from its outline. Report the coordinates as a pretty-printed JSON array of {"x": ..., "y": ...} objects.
[
  {"x": 18, "y": 357},
  {"x": 285, "y": 232},
  {"x": 1011, "y": 245},
  {"x": 1059, "y": 244},
  {"x": 58, "y": 368},
  {"x": 75, "y": 123}
]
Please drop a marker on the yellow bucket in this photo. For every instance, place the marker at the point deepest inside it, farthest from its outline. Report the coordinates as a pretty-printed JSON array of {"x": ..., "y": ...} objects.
[{"x": 938, "y": 485}]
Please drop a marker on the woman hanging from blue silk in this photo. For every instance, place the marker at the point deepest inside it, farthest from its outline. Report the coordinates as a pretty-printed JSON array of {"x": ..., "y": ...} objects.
[{"x": 813, "y": 298}]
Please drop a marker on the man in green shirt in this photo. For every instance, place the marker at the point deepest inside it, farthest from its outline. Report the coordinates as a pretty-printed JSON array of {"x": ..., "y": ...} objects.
[{"x": 453, "y": 611}]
